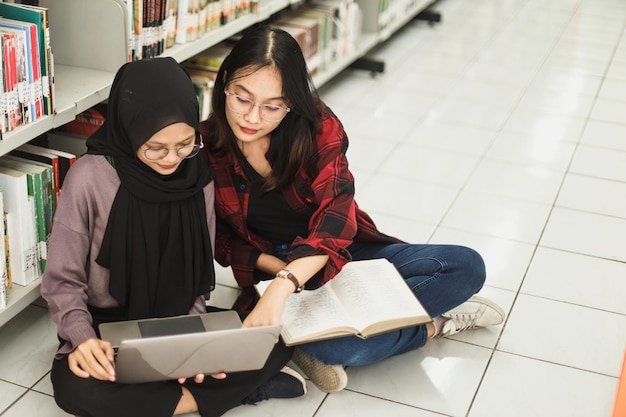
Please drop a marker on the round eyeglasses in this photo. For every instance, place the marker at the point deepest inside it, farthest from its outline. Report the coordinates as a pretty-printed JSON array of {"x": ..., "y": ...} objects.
[
  {"x": 184, "y": 152},
  {"x": 243, "y": 105}
]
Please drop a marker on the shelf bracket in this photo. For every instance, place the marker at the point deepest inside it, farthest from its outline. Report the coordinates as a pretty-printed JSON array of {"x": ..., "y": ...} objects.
[
  {"x": 430, "y": 16},
  {"x": 374, "y": 66}
]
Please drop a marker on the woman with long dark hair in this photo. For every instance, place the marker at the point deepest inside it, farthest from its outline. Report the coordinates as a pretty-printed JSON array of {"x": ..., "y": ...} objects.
[{"x": 285, "y": 208}]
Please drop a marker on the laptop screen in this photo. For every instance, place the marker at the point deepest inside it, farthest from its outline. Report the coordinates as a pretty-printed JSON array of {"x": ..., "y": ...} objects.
[{"x": 174, "y": 326}]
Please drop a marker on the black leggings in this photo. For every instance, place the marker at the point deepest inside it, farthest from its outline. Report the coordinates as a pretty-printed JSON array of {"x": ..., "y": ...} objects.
[{"x": 89, "y": 397}]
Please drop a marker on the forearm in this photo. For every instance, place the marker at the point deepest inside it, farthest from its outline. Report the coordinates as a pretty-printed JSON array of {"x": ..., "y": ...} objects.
[
  {"x": 269, "y": 308},
  {"x": 302, "y": 268}
]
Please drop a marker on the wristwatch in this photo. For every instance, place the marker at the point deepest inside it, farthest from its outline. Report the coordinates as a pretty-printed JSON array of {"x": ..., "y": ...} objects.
[{"x": 283, "y": 273}]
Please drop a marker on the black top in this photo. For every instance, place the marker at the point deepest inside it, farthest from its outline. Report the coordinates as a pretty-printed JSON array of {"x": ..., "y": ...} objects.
[{"x": 269, "y": 215}]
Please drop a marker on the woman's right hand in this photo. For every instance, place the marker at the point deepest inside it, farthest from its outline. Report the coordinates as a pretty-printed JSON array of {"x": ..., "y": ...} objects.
[{"x": 93, "y": 358}]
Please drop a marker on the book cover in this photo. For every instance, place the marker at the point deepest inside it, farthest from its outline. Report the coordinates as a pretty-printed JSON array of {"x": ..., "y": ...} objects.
[
  {"x": 366, "y": 298},
  {"x": 170, "y": 23},
  {"x": 6, "y": 247},
  {"x": 311, "y": 42},
  {"x": 138, "y": 34},
  {"x": 87, "y": 122},
  {"x": 181, "y": 21},
  {"x": 21, "y": 71},
  {"x": 33, "y": 153},
  {"x": 37, "y": 185},
  {"x": 203, "y": 80},
  {"x": 67, "y": 142},
  {"x": 20, "y": 226},
  {"x": 4, "y": 278},
  {"x": 4, "y": 126},
  {"x": 37, "y": 17},
  {"x": 66, "y": 159},
  {"x": 10, "y": 81}
]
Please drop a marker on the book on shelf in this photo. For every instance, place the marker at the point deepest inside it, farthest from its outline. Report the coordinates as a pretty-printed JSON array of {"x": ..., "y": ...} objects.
[
  {"x": 20, "y": 223},
  {"x": 18, "y": 72},
  {"x": 308, "y": 37},
  {"x": 203, "y": 80},
  {"x": 45, "y": 55},
  {"x": 39, "y": 17},
  {"x": 181, "y": 21},
  {"x": 4, "y": 273},
  {"x": 3, "y": 111},
  {"x": 65, "y": 159},
  {"x": 365, "y": 298},
  {"x": 30, "y": 92},
  {"x": 6, "y": 246},
  {"x": 10, "y": 81},
  {"x": 137, "y": 33},
  {"x": 40, "y": 188},
  {"x": 169, "y": 24},
  {"x": 42, "y": 156},
  {"x": 68, "y": 142},
  {"x": 87, "y": 122},
  {"x": 211, "y": 58},
  {"x": 347, "y": 18},
  {"x": 325, "y": 21}
]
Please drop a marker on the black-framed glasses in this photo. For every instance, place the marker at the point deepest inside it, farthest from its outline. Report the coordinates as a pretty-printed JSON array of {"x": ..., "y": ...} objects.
[
  {"x": 184, "y": 152},
  {"x": 243, "y": 105}
]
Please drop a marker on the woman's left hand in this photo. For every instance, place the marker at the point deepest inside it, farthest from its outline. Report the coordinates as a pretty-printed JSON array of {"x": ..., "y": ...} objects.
[{"x": 199, "y": 378}]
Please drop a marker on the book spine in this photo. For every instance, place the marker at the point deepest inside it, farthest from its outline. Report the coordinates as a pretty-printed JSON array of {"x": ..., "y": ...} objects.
[
  {"x": 35, "y": 191},
  {"x": 7, "y": 249},
  {"x": 4, "y": 273},
  {"x": 3, "y": 108},
  {"x": 11, "y": 96}
]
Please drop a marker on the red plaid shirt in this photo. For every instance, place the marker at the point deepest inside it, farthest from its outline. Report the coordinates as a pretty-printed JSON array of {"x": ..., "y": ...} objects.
[{"x": 325, "y": 184}]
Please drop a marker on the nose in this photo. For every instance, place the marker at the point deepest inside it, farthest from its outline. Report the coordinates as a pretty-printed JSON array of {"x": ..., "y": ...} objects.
[
  {"x": 254, "y": 115},
  {"x": 171, "y": 156}
]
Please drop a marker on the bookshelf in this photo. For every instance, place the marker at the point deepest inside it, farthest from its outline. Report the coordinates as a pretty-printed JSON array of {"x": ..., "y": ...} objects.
[{"x": 89, "y": 41}]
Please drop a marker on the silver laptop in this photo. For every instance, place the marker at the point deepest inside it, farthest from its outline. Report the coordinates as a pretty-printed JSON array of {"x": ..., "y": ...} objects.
[{"x": 183, "y": 346}]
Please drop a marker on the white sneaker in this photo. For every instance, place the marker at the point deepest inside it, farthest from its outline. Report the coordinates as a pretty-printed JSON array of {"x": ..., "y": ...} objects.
[{"x": 475, "y": 312}]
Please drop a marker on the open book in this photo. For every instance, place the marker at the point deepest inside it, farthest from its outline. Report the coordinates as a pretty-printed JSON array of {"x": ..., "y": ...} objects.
[{"x": 366, "y": 298}]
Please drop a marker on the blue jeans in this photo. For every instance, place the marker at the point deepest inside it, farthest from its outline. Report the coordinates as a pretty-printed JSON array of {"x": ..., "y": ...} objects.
[{"x": 441, "y": 277}]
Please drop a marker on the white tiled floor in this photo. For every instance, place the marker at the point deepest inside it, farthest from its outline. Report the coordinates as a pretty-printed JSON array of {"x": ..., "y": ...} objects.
[{"x": 503, "y": 128}]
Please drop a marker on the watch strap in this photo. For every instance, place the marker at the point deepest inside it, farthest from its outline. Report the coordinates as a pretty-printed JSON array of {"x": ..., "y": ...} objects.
[{"x": 283, "y": 273}]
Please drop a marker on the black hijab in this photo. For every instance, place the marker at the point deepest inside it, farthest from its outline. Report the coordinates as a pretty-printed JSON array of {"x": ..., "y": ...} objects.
[{"x": 156, "y": 244}]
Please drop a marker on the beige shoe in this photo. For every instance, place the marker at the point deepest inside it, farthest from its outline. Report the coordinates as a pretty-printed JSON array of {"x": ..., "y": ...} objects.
[
  {"x": 474, "y": 313},
  {"x": 328, "y": 378}
]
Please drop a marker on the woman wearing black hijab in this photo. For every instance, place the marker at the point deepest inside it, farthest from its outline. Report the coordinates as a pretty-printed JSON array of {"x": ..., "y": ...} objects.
[{"x": 132, "y": 239}]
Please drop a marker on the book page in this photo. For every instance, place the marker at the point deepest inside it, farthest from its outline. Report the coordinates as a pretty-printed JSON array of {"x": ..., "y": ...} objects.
[
  {"x": 373, "y": 291},
  {"x": 311, "y": 312}
]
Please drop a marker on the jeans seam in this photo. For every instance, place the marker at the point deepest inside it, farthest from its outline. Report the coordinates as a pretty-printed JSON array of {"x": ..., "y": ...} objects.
[{"x": 435, "y": 275}]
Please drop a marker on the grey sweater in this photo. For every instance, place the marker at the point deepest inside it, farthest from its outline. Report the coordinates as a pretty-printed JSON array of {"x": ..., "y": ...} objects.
[{"x": 72, "y": 278}]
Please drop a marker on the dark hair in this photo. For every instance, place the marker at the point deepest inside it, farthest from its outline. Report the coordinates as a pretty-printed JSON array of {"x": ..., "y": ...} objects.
[{"x": 292, "y": 141}]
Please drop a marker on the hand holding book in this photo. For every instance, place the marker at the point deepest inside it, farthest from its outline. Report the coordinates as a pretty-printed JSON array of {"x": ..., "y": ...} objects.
[{"x": 366, "y": 298}]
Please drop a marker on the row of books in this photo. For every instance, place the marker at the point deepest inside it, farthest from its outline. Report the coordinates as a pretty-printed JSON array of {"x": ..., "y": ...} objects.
[
  {"x": 156, "y": 25},
  {"x": 326, "y": 30},
  {"x": 30, "y": 182},
  {"x": 392, "y": 10},
  {"x": 26, "y": 65}
]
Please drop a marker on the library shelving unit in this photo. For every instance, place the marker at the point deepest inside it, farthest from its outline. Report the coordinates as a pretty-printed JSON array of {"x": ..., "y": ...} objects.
[{"x": 89, "y": 41}]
